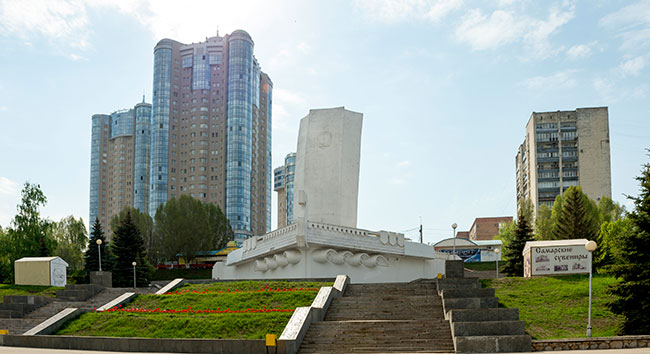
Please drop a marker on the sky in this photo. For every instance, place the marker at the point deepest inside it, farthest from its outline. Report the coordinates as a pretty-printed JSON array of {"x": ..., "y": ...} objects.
[{"x": 446, "y": 88}]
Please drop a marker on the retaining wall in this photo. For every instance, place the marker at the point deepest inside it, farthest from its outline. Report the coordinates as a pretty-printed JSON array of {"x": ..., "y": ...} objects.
[
  {"x": 592, "y": 343},
  {"x": 156, "y": 345}
]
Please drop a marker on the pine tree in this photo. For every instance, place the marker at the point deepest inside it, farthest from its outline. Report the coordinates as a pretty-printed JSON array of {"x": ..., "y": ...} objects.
[
  {"x": 91, "y": 257},
  {"x": 576, "y": 218},
  {"x": 513, "y": 250},
  {"x": 127, "y": 247},
  {"x": 632, "y": 266}
]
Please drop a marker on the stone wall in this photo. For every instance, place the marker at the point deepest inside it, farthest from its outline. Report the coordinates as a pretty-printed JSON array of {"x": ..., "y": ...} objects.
[
  {"x": 156, "y": 345},
  {"x": 592, "y": 343}
]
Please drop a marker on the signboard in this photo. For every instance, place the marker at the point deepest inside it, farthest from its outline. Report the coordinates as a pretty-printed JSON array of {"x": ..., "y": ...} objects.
[
  {"x": 463, "y": 253},
  {"x": 555, "y": 260}
]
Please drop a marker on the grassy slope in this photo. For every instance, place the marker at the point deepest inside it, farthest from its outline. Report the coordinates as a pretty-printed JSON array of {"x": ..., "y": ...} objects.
[
  {"x": 556, "y": 307},
  {"x": 7, "y": 289},
  {"x": 234, "y": 296},
  {"x": 171, "y": 274},
  {"x": 230, "y": 326},
  {"x": 484, "y": 266}
]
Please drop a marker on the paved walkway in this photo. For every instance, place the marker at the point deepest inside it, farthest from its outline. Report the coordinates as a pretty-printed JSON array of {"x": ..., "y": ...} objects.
[{"x": 17, "y": 350}]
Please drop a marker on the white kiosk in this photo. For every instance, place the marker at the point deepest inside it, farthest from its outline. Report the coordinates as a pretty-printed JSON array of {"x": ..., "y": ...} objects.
[{"x": 46, "y": 271}]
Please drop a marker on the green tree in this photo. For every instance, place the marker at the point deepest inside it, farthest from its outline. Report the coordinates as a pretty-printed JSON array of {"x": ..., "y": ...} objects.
[
  {"x": 72, "y": 238},
  {"x": 513, "y": 251},
  {"x": 127, "y": 247},
  {"x": 5, "y": 257},
  {"x": 506, "y": 233},
  {"x": 185, "y": 226},
  {"x": 30, "y": 232},
  {"x": 632, "y": 265},
  {"x": 527, "y": 209},
  {"x": 577, "y": 216},
  {"x": 607, "y": 240},
  {"x": 543, "y": 223},
  {"x": 144, "y": 223},
  {"x": 220, "y": 228},
  {"x": 91, "y": 256},
  {"x": 29, "y": 236},
  {"x": 609, "y": 210}
]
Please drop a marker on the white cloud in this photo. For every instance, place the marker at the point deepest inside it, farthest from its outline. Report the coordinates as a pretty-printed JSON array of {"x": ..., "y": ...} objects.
[
  {"x": 8, "y": 187},
  {"x": 441, "y": 8},
  {"x": 632, "y": 67},
  {"x": 63, "y": 22},
  {"x": 632, "y": 24},
  {"x": 504, "y": 3},
  {"x": 284, "y": 103},
  {"x": 403, "y": 164},
  {"x": 66, "y": 24},
  {"x": 287, "y": 96},
  {"x": 400, "y": 10},
  {"x": 560, "y": 80},
  {"x": 487, "y": 32},
  {"x": 579, "y": 51},
  {"x": 481, "y": 31},
  {"x": 9, "y": 198},
  {"x": 612, "y": 93},
  {"x": 303, "y": 47}
]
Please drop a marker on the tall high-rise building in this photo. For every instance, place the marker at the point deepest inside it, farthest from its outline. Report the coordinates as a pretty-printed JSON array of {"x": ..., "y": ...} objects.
[
  {"x": 207, "y": 134},
  {"x": 211, "y": 129},
  {"x": 563, "y": 149},
  {"x": 119, "y": 162},
  {"x": 284, "y": 177}
]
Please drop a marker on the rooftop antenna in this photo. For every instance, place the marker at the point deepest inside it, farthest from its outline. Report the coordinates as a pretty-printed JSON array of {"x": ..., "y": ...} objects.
[
  {"x": 142, "y": 95},
  {"x": 217, "y": 30}
]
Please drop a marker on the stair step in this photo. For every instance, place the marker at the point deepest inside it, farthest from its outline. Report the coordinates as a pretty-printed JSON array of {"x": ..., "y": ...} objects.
[{"x": 373, "y": 318}]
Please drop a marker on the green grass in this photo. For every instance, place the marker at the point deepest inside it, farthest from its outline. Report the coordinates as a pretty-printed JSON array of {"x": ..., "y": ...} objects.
[
  {"x": 171, "y": 274},
  {"x": 556, "y": 307},
  {"x": 228, "y": 326},
  {"x": 7, "y": 289},
  {"x": 483, "y": 266},
  {"x": 234, "y": 296}
]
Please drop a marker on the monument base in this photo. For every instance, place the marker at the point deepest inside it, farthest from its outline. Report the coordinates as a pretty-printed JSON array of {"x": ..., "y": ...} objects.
[
  {"x": 104, "y": 279},
  {"x": 307, "y": 250}
]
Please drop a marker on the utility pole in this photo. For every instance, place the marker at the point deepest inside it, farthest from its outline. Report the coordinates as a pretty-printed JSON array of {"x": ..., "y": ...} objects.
[{"x": 420, "y": 229}]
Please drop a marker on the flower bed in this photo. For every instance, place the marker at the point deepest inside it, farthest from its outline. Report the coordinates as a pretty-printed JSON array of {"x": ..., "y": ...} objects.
[{"x": 234, "y": 310}]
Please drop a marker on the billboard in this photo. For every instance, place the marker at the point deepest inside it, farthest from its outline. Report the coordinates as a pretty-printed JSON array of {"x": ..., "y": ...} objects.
[{"x": 554, "y": 260}]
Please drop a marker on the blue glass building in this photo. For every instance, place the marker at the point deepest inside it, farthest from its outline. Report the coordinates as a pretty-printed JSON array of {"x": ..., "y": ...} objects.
[
  {"x": 119, "y": 162},
  {"x": 207, "y": 134},
  {"x": 211, "y": 129},
  {"x": 284, "y": 178}
]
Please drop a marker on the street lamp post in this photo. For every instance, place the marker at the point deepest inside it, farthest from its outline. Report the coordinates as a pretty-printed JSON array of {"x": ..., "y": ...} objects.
[
  {"x": 496, "y": 251},
  {"x": 591, "y": 247},
  {"x": 134, "y": 264},
  {"x": 99, "y": 250},
  {"x": 454, "y": 226}
]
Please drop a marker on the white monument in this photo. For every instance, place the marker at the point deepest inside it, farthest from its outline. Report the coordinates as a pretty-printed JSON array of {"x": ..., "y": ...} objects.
[
  {"x": 327, "y": 166},
  {"x": 324, "y": 241}
]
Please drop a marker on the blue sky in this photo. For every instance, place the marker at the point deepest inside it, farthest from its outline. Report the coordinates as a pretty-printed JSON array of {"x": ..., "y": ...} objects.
[{"x": 446, "y": 88}]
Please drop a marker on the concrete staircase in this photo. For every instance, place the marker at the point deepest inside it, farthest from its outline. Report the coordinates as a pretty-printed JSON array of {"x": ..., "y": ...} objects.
[
  {"x": 22, "y": 325},
  {"x": 478, "y": 325},
  {"x": 380, "y": 318},
  {"x": 79, "y": 292},
  {"x": 17, "y": 306}
]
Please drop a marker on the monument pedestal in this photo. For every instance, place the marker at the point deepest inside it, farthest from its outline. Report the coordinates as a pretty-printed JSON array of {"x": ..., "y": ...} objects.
[
  {"x": 308, "y": 250},
  {"x": 104, "y": 279}
]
